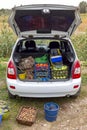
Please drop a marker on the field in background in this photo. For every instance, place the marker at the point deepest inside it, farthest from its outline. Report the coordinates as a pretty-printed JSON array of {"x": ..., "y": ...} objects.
[{"x": 83, "y": 26}]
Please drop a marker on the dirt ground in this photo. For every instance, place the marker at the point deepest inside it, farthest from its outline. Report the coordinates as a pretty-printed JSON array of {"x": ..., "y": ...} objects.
[{"x": 71, "y": 116}]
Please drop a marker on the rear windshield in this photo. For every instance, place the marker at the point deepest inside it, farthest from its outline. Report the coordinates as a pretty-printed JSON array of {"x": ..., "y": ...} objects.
[{"x": 35, "y": 20}]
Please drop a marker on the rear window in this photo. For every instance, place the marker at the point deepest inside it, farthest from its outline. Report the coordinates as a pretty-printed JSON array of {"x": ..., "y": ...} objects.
[{"x": 29, "y": 20}]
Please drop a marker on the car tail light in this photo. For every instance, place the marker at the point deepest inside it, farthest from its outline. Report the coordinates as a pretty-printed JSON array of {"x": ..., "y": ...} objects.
[
  {"x": 76, "y": 71},
  {"x": 76, "y": 86},
  {"x": 11, "y": 70},
  {"x": 12, "y": 87}
]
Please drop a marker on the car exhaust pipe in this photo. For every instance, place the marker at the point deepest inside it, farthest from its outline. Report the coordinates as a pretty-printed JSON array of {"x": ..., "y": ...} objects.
[{"x": 68, "y": 95}]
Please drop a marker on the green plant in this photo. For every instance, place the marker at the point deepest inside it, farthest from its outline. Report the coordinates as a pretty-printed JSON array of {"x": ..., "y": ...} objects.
[
  {"x": 2, "y": 71},
  {"x": 7, "y": 39},
  {"x": 80, "y": 44}
]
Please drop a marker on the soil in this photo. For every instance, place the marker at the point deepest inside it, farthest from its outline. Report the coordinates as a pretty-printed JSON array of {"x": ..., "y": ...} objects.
[{"x": 71, "y": 116}]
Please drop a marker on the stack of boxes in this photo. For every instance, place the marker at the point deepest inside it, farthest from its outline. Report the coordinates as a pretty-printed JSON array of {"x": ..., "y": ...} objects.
[
  {"x": 58, "y": 70},
  {"x": 42, "y": 72}
]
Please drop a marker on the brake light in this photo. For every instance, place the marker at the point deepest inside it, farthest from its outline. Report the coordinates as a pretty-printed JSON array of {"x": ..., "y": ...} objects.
[
  {"x": 11, "y": 71},
  {"x": 76, "y": 71}
]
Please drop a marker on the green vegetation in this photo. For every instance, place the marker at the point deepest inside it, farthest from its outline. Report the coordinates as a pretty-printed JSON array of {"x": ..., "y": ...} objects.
[
  {"x": 5, "y": 12},
  {"x": 2, "y": 71},
  {"x": 7, "y": 40},
  {"x": 80, "y": 44},
  {"x": 83, "y": 7}
]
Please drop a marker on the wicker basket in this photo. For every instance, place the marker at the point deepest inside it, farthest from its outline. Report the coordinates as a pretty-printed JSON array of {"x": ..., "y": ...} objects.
[{"x": 26, "y": 115}]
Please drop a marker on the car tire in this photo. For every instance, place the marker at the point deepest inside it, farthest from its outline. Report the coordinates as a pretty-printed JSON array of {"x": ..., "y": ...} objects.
[{"x": 11, "y": 96}]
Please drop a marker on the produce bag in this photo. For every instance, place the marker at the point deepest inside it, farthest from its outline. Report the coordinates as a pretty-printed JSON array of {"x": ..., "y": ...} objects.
[
  {"x": 26, "y": 66},
  {"x": 29, "y": 73},
  {"x": 4, "y": 109},
  {"x": 43, "y": 59},
  {"x": 26, "y": 63}
]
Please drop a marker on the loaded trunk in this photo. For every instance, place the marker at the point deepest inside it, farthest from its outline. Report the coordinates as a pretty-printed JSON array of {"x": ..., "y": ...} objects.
[{"x": 51, "y": 62}]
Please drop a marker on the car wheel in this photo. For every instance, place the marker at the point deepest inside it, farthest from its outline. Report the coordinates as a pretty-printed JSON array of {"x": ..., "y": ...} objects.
[{"x": 11, "y": 95}]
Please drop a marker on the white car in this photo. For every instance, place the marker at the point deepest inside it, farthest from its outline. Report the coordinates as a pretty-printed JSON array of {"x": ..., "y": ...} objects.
[{"x": 43, "y": 30}]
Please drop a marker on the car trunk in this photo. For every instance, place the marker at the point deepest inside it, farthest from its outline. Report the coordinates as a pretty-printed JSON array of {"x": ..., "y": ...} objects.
[
  {"x": 52, "y": 61},
  {"x": 41, "y": 62}
]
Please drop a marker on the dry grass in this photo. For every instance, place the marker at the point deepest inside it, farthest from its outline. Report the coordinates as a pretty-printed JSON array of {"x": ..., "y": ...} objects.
[
  {"x": 83, "y": 25},
  {"x": 3, "y": 21}
]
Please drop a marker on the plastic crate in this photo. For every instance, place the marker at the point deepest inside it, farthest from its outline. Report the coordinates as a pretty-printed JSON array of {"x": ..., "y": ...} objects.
[
  {"x": 59, "y": 73},
  {"x": 42, "y": 72},
  {"x": 39, "y": 67},
  {"x": 26, "y": 115}
]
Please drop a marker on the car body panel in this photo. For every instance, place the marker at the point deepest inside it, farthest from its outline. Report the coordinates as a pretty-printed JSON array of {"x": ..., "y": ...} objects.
[{"x": 43, "y": 89}]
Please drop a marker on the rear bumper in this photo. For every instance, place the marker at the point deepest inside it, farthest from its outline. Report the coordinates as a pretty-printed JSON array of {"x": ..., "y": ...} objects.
[{"x": 43, "y": 89}]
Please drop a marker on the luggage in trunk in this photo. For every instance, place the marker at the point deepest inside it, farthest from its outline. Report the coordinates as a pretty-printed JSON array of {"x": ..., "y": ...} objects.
[
  {"x": 49, "y": 63},
  {"x": 30, "y": 68}
]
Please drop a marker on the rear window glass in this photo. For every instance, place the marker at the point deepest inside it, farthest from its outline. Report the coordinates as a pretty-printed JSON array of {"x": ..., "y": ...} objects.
[{"x": 35, "y": 20}]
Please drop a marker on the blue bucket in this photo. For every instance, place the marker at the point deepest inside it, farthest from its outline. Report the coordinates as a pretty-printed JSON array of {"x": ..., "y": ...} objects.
[
  {"x": 51, "y": 111},
  {"x": 0, "y": 118}
]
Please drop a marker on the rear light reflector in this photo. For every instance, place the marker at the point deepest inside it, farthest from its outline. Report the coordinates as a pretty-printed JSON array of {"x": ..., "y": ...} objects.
[
  {"x": 76, "y": 71},
  {"x": 12, "y": 87},
  {"x": 76, "y": 86},
  {"x": 11, "y": 70}
]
